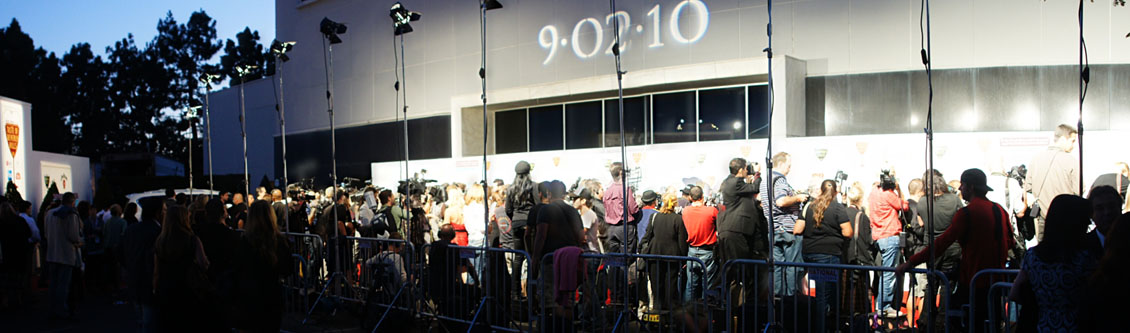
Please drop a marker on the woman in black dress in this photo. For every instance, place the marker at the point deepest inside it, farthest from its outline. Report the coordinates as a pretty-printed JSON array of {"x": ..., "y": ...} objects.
[{"x": 262, "y": 258}]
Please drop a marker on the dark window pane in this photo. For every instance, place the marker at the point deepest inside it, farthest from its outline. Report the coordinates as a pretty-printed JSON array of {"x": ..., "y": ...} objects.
[
  {"x": 721, "y": 114},
  {"x": 546, "y": 130},
  {"x": 510, "y": 131},
  {"x": 429, "y": 138},
  {"x": 635, "y": 121},
  {"x": 758, "y": 126},
  {"x": 582, "y": 125},
  {"x": 674, "y": 117}
]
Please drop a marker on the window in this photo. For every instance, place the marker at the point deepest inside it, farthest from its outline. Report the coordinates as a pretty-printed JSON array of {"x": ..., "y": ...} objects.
[
  {"x": 546, "y": 130},
  {"x": 635, "y": 121},
  {"x": 582, "y": 125},
  {"x": 758, "y": 127},
  {"x": 510, "y": 131},
  {"x": 674, "y": 117},
  {"x": 429, "y": 137},
  {"x": 721, "y": 114}
]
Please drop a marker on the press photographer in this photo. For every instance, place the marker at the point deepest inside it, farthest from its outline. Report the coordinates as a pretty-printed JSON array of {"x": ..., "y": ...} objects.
[{"x": 886, "y": 204}]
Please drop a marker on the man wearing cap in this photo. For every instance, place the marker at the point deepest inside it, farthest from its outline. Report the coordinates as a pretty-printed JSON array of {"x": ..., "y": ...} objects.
[
  {"x": 649, "y": 199},
  {"x": 982, "y": 228},
  {"x": 583, "y": 203}
]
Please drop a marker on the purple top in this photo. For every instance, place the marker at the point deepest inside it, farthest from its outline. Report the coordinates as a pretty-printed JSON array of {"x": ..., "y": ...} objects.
[{"x": 614, "y": 204}]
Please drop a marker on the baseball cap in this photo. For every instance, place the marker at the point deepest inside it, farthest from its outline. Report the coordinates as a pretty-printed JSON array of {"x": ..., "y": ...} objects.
[{"x": 976, "y": 179}]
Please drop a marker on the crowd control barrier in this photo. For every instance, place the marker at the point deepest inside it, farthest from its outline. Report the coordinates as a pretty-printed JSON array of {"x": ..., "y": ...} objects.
[
  {"x": 472, "y": 287},
  {"x": 829, "y": 297},
  {"x": 976, "y": 317}
]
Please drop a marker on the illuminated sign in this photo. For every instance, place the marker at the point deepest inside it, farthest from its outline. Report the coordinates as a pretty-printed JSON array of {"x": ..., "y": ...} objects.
[{"x": 685, "y": 23}]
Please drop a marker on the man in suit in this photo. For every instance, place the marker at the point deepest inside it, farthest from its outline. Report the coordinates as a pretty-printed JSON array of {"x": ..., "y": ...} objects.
[
  {"x": 1106, "y": 205},
  {"x": 742, "y": 233}
]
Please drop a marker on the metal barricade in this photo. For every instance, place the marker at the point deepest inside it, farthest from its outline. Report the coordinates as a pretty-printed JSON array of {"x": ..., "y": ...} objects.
[
  {"x": 1001, "y": 310},
  {"x": 380, "y": 274},
  {"x": 972, "y": 314},
  {"x": 470, "y": 287},
  {"x": 306, "y": 276},
  {"x": 834, "y": 297},
  {"x": 655, "y": 296}
]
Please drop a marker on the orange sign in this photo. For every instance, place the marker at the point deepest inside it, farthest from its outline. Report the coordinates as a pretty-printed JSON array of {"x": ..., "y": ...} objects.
[{"x": 12, "y": 131}]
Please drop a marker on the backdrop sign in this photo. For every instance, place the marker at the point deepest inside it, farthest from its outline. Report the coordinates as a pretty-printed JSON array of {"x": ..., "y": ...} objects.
[
  {"x": 58, "y": 174},
  {"x": 16, "y": 140}
]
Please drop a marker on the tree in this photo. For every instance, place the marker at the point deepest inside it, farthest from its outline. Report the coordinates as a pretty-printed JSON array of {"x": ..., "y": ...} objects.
[
  {"x": 91, "y": 119},
  {"x": 246, "y": 50},
  {"x": 32, "y": 75}
]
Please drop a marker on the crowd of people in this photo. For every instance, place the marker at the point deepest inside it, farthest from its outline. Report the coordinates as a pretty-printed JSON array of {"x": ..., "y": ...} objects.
[{"x": 187, "y": 258}]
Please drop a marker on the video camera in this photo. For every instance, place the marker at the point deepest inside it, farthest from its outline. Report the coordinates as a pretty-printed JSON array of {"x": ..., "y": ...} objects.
[
  {"x": 887, "y": 181},
  {"x": 1019, "y": 172},
  {"x": 301, "y": 190}
]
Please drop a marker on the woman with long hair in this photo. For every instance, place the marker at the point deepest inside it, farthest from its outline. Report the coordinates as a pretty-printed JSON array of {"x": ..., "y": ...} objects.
[
  {"x": 665, "y": 235},
  {"x": 1107, "y": 289},
  {"x": 826, "y": 227},
  {"x": 1055, "y": 272},
  {"x": 453, "y": 214},
  {"x": 178, "y": 259},
  {"x": 262, "y": 258}
]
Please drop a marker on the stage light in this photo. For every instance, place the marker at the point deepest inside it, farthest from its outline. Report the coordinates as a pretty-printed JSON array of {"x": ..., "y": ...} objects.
[
  {"x": 281, "y": 48},
  {"x": 737, "y": 125},
  {"x": 331, "y": 29},
  {"x": 243, "y": 70},
  {"x": 491, "y": 4},
  {"x": 400, "y": 17}
]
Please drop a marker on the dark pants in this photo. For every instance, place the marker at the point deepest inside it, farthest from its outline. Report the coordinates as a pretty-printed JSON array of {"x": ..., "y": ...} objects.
[
  {"x": 60, "y": 288},
  {"x": 519, "y": 243},
  {"x": 733, "y": 246},
  {"x": 665, "y": 284},
  {"x": 827, "y": 291}
]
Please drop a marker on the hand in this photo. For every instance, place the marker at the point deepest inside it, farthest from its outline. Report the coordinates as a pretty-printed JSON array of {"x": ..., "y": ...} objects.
[{"x": 802, "y": 197}]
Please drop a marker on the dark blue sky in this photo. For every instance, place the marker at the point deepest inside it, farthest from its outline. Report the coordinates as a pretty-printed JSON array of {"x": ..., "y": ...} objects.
[{"x": 55, "y": 25}]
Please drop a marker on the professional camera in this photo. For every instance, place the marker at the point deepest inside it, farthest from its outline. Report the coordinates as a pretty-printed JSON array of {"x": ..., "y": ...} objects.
[
  {"x": 1019, "y": 172},
  {"x": 751, "y": 168},
  {"x": 887, "y": 181}
]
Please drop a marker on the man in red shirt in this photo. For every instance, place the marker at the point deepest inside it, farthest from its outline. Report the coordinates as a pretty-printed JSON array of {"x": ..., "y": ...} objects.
[
  {"x": 699, "y": 220},
  {"x": 886, "y": 201},
  {"x": 982, "y": 228}
]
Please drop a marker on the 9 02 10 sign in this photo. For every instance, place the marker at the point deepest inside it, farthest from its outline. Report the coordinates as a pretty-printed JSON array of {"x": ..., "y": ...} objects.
[{"x": 551, "y": 39}]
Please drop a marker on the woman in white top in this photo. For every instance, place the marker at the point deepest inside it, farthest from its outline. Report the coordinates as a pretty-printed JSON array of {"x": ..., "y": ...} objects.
[{"x": 474, "y": 220}]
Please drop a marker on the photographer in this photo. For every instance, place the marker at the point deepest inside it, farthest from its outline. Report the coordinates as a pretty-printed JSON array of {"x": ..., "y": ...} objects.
[
  {"x": 1053, "y": 172},
  {"x": 886, "y": 202},
  {"x": 786, "y": 204}
]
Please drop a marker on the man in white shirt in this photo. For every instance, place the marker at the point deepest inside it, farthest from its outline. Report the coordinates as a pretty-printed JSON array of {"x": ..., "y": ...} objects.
[{"x": 583, "y": 203}]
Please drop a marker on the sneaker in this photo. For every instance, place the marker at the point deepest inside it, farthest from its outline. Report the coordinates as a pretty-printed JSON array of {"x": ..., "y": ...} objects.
[{"x": 892, "y": 313}]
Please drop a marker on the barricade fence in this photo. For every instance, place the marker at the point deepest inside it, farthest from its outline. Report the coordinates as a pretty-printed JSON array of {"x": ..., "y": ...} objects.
[
  {"x": 660, "y": 294},
  {"x": 459, "y": 287},
  {"x": 828, "y": 297}
]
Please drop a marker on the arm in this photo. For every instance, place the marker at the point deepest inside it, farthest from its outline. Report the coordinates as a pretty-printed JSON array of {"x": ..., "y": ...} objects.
[
  {"x": 201, "y": 257},
  {"x": 539, "y": 244},
  {"x": 742, "y": 188},
  {"x": 943, "y": 242},
  {"x": 845, "y": 229},
  {"x": 633, "y": 208},
  {"x": 798, "y": 229},
  {"x": 1016, "y": 293},
  {"x": 645, "y": 243}
]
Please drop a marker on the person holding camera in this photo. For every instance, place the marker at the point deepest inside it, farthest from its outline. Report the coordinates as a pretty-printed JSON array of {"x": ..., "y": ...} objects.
[
  {"x": 787, "y": 238},
  {"x": 1053, "y": 172},
  {"x": 886, "y": 202}
]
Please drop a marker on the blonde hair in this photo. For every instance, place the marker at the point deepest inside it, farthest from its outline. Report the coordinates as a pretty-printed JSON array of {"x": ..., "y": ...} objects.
[
  {"x": 474, "y": 194},
  {"x": 1123, "y": 168},
  {"x": 670, "y": 201},
  {"x": 855, "y": 195}
]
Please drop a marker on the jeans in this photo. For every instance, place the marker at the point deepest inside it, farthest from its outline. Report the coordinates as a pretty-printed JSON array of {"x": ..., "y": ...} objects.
[
  {"x": 888, "y": 249},
  {"x": 694, "y": 276},
  {"x": 827, "y": 292},
  {"x": 479, "y": 261},
  {"x": 60, "y": 288},
  {"x": 786, "y": 248}
]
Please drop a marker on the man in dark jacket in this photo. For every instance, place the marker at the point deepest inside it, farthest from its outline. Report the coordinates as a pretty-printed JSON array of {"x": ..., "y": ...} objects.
[
  {"x": 137, "y": 255},
  {"x": 742, "y": 233}
]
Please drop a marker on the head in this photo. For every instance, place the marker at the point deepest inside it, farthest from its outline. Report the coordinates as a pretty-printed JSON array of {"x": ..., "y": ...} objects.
[
  {"x": 116, "y": 210},
  {"x": 69, "y": 199},
  {"x": 737, "y": 167},
  {"x": 474, "y": 194},
  {"x": 276, "y": 195},
  {"x": 616, "y": 170},
  {"x": 783, "y": 163},
  {"x": 696, "y": 194},
  {"x": 522, "y": 168},
  {"x": 915, "y": 188},
  {"x": 498, "y": 195},
  {"x": 1065, "y": 137},
  {"x": 260, "y": 192},
  {"x": 583, "y": 200},
  {"x": 237, "y": 198},
  {"x": 974, "y": 184},
  {"x": 342, "y": 197},
  {"x": 1123, "y": 169},
  {"x": 176, "y": 231},
  {"x": 446, "y": 233},
  {"x": 216, "y": 211},
  {"x": 499, "y": 183},
  {"x": 455, "y": 196},
  {"x": 84, "y": 208},
  {"x": 855, "y": 194},
  {"x": 1065, "y": 225},
  {"x": 649, "y": 198},
  {"x": 1106, "y": 206},
  {"x": 131, "y": 209},
  {"x": 170, "y": 193},
  {"x": 543, "y": 191},
  {"x": 262, "y": 229},
  {"x": 385, "y": 197},
  {"x": 225, "y": 196},
  {"x": 670, "y": 202}
]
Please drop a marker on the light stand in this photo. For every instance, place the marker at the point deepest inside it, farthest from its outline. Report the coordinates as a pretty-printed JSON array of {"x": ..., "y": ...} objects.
[
  {"x": 243, "y": 70},
  {"x": 770, "y": 325},
  {"x": 330, "y": 31},
  {"x": 207, "y": 80},
  {"x": 401, "y": 17},
  {"x": 191, "y": 115},
  {"x": 484, "y": 6},
  {"x": 626, "y": 314},
  {"x": 931, "y": 280},
  {"x": 279, "y": 50},
  {"x": 1084, "y": 80}
]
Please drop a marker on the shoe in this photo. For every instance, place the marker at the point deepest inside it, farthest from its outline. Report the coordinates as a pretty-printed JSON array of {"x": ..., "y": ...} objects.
[{"x": 892, "y": 313}]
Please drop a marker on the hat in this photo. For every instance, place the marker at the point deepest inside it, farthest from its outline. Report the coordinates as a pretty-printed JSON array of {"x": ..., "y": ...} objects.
[
  {"x": 649, "y": 196},
  {"x": 687, "y": 189},
  {"x": 522, "y": 167},
  {"x": 975, "y": 179}
]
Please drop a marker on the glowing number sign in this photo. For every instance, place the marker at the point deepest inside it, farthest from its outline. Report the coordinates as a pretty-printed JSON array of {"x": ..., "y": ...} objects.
[{"x": 550, "y": 39}]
